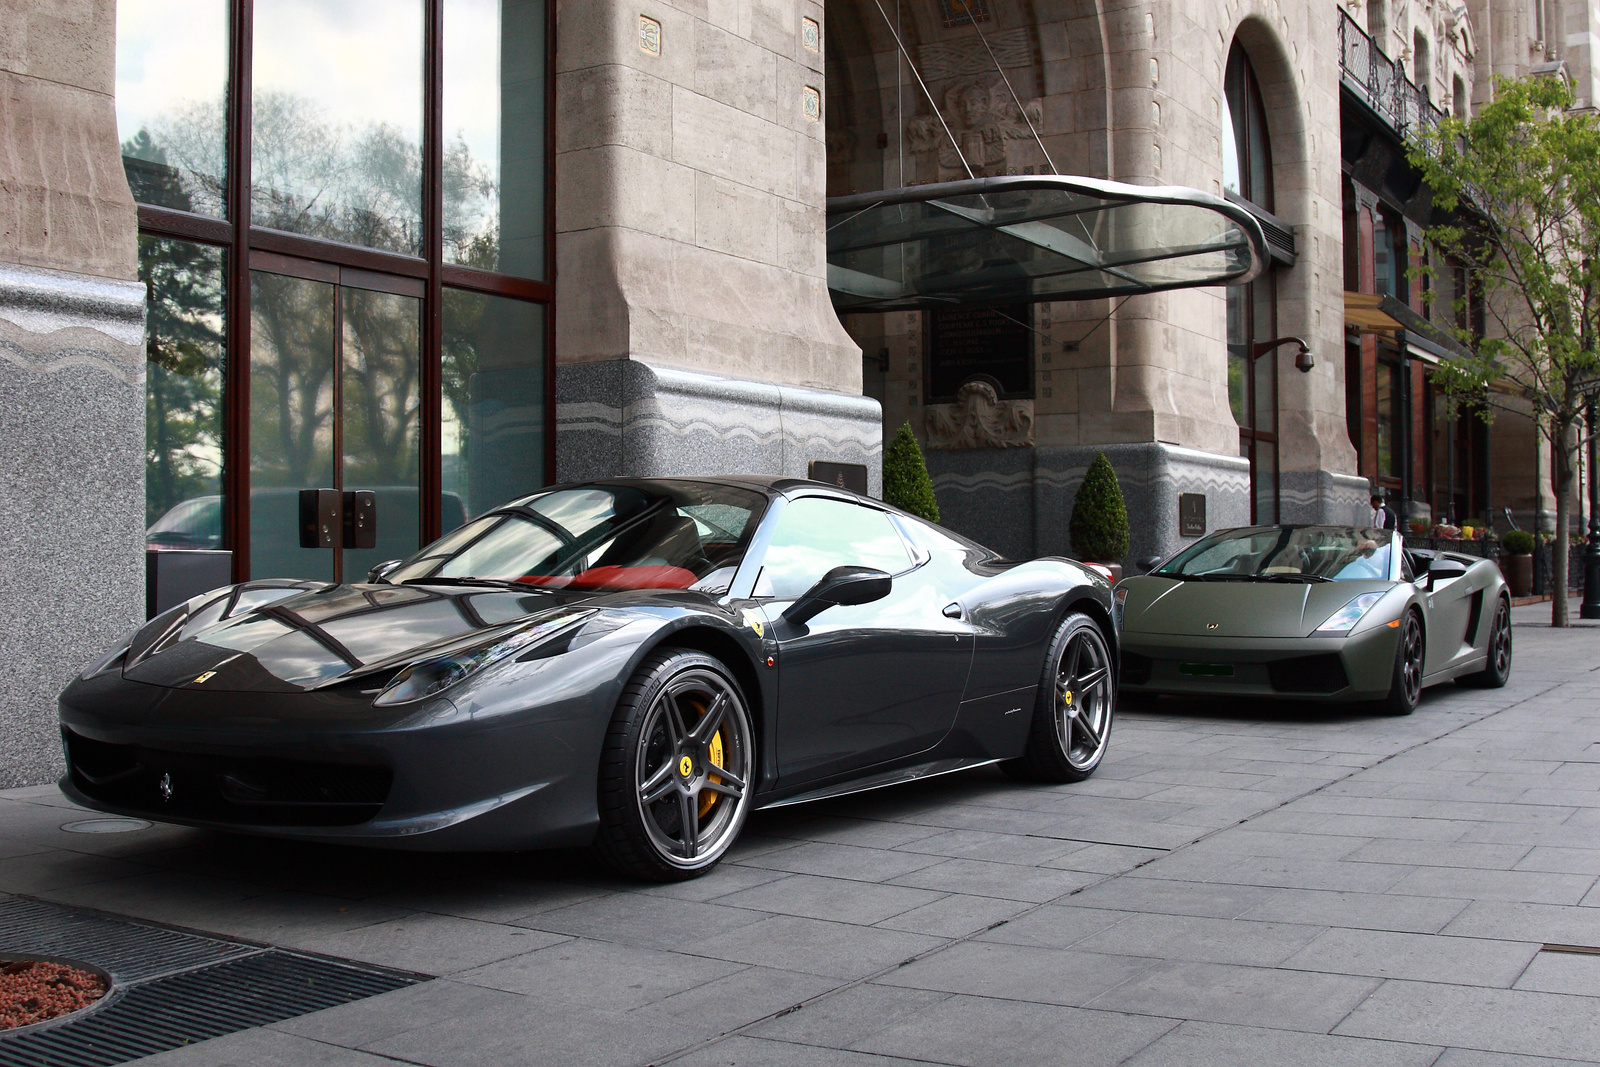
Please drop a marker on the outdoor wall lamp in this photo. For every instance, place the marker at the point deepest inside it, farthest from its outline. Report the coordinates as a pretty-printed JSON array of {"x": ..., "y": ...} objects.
[{"x": 1302, "y": 359}]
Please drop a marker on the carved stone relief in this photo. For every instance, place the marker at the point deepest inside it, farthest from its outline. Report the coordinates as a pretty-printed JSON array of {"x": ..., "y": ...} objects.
[
  {"x": 980, "y": 419},
  {"x": 984, "y": 121}
]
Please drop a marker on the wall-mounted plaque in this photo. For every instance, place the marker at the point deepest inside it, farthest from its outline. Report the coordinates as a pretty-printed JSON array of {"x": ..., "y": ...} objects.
[
  {"x": 1191, "y": 514},
  {"x": 851, "y": 476},
  {"x": 993, "y": 343},
  {"x": 649, "y": 36}
]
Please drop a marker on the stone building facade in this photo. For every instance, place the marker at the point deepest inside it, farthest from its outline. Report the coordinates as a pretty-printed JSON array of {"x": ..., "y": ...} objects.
[{"x": 551, "y": 239}]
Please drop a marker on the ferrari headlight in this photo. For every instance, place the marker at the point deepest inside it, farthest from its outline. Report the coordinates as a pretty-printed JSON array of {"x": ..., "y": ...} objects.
[
  {"x": 1346, "y": 617},
  {"x": 424, "y": 679}
]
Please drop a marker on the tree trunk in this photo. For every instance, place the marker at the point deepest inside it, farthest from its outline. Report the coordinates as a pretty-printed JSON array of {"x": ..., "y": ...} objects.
[{"x": 1561, "y": 479}]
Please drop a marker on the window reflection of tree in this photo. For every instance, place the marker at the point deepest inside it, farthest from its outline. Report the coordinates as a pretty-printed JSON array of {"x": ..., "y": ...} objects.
[
  {"x": 381, "y": 402},
  {"x": 291, "y": 380}
]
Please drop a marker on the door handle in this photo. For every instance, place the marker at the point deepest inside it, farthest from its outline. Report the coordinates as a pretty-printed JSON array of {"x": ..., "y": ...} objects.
[{"x": 952, "y": 611}]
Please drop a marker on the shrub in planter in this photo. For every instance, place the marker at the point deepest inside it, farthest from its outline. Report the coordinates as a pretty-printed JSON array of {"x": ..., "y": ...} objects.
[
  {"x": 1099, "y": 524},
  {"x": 1517, "y": 543},
  {"x": 906, "y": 484}
]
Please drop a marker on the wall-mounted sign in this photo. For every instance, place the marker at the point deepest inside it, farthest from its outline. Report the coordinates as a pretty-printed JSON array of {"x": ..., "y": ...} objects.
[
  {"x": 851, "y": 476},
  {"x": 1191, "y": 514},
  {"x": 649, "y": 36},
  {"x": 964, "y": 343}
]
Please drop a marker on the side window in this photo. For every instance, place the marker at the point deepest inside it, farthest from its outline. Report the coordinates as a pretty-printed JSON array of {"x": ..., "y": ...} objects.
[{"x": 815, "y": 535}]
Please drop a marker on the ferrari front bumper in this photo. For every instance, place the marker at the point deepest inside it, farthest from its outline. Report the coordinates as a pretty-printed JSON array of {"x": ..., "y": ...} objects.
[{"x": 1333, "y": 669}]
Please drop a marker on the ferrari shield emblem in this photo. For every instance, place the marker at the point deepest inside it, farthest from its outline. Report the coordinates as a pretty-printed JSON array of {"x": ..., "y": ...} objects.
[{"x": 752, "y": 619}]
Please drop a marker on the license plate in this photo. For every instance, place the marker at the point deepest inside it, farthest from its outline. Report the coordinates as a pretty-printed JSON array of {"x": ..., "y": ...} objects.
[{"x": 1207, "y": 670}]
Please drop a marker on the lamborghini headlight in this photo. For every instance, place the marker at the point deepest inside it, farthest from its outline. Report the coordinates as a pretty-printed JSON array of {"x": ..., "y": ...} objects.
[
  {"x": 425, "y": 678},
  {"x": 1346, "y": 617},
  {"x": 1118, "y": 598}
]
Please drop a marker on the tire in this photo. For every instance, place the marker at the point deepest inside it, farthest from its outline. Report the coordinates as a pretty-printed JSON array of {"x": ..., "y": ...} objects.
[
  {"x": 676, "y": 770},
  {"x": 1072, "y": 716},
  {"x": 1497, "y": 668},
  {"x": 1405, "y": 684}
]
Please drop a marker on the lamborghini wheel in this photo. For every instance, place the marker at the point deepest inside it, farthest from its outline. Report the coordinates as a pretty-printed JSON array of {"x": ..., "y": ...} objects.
[
  {"x": 1497, "y": 668},
  {"x": 1405, "y": 687},
  {"x": 676, "y": 769},
  {"x": 1072, "y": 717}
]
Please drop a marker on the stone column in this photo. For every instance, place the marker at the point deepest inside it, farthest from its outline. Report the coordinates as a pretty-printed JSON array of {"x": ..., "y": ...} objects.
[
  {"x": 694, "y": 334},
  {"x": 71, "y": 372}
]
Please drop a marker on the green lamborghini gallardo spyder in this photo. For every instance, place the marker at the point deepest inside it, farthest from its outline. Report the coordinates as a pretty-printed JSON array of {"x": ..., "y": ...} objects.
[{"x": 1325, "y": 613}]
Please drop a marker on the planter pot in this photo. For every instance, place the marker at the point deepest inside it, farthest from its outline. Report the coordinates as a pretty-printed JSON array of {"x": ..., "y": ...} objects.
[{"x": 1519, "y": 574}]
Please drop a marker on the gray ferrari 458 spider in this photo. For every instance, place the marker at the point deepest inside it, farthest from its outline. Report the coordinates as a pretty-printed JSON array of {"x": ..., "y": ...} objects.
[
  {"x": 1331, "y": 613},
  {"x": 634, "y": 665}
]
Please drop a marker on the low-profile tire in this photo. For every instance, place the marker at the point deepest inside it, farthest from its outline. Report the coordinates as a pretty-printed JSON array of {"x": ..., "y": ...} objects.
[
  {"x": 1498, "y": 666},
  {"x": 676, "y": 769},
  {"x": 1075, "y": 707},
  {"x": 1405, "y": 684}
]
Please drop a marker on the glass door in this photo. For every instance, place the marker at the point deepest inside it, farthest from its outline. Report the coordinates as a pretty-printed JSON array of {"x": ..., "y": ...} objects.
[{"x": 335, "y": 403}]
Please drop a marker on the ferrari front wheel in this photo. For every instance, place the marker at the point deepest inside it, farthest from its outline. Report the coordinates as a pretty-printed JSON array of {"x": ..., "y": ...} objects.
[
  {"x": 1072, "y": 715},
  {"x": 676, "y": 770},
  {"x": 1405, "y": 687}
]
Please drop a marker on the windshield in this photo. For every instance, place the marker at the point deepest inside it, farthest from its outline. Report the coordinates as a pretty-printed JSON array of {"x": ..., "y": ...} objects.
[
  {"x": 641, "y": 535},
  {"x": 1286, "y": 553}
]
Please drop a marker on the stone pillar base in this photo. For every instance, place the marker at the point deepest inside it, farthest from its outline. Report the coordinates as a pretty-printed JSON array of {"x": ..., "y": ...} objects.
[
  {"x": 72, "y": 503},
  {"x": 1019, "y": 500},
  {"x": 630, "y": 418}
]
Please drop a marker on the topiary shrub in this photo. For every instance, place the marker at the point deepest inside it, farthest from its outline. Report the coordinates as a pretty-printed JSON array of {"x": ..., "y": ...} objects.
[
  {"x": 906, "y": 484},
  {"x": 1099, "y": 525},
  {"x": 1518, "y": 542}
]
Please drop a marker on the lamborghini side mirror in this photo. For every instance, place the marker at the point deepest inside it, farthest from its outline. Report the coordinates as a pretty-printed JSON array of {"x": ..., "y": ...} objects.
[
  {"x": 1443, "y": 570},
  {"x": 841, "y": 586},
  {"x": 1147, "y": 564}
]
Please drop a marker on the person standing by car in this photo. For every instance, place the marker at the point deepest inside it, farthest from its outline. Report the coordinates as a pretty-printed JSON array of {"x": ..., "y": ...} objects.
[{"x": 1383, "y": 516}]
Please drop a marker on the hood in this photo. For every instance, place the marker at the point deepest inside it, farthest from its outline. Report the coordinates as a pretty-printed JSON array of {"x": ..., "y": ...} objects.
[
  {"x": 1234, "y": 609},
  {"x": 290, "y": 637}
]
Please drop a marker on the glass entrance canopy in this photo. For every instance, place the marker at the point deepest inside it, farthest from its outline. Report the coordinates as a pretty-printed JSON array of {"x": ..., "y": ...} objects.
[{"x": 1030, "y": 238}]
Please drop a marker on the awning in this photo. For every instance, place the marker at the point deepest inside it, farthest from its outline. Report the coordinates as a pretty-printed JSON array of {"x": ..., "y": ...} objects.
[
  {"x": 1380, "y": 313},
  {"x": 1364, "y": 312},
  {"x": 1032, "y": 238}
]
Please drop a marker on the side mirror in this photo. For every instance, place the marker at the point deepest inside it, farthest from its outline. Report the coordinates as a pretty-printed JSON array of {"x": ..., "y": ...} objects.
[
  {"x": 840, "y": 586},
  {"x": 381, "y": 571},
  {"x": 1147, "y": 564},
  {"x": 1444, "y": 570}
]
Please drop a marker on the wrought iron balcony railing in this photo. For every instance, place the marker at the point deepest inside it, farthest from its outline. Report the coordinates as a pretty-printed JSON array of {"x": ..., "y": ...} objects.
[{"x": 1380, "y": 82}]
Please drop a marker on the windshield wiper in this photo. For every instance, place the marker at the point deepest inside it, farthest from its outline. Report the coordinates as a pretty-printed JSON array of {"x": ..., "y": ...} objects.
[
  {"x": 1210, "y": 577},
  {"x": 1298, "y": 579},
  {"x": 469, "y": 580}
]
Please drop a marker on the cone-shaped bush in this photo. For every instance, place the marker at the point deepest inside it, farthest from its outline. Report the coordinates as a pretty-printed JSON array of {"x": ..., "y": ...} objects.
[
  {"x": 1099, "y": 525},
  {"x": 906, "y": 484}
]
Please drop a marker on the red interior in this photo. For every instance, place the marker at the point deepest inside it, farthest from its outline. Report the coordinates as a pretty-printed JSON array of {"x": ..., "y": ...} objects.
[{"x": 655, "y": 576}]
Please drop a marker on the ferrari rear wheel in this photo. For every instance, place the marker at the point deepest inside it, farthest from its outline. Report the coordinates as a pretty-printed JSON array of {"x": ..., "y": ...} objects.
[
  {"x": 1497, "y": 668},
  {"x": 1077, "y": 700},
  {"x": 1405, "y": 688},
  {"x": 676, "y": 769}
]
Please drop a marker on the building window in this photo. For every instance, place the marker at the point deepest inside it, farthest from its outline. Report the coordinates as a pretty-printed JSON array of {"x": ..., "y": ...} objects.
[
  {"x": 1251, "y": 309},
  {"x": 344, "y": 226}
]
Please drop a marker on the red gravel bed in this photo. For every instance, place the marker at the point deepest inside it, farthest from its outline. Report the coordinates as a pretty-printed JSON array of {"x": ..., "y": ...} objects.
[{"x": 32, "y": 991}]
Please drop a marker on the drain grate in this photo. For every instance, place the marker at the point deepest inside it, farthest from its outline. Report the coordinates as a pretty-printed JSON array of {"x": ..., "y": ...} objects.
[
  {"x": 131, "y": 952},
  {"x": 172, "y": 988}
]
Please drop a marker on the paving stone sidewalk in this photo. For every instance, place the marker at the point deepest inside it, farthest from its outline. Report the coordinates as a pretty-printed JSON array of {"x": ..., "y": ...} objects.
[{"x": 1237, "y": 885}]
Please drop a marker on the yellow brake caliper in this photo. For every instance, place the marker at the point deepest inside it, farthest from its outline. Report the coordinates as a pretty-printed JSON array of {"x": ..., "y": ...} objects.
[{"x": 707, "y": 797}]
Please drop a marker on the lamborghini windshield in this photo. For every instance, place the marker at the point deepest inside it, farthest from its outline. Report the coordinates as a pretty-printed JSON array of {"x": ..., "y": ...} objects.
[
  {"x": 1285, "y": 554},
  {"x": 634, "y": 535}
]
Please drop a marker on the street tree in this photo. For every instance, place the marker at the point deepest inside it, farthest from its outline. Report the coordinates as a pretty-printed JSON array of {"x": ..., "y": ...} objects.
[{"x": 1519, "y": 187}]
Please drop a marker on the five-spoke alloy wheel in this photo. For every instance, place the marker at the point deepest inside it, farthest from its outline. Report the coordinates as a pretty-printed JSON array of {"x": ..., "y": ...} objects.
[
  {"x": 1077, "y": 700},
  {"x": 1497, "y": 665},
  {"x": 1405, "y": 689},
  {"x": 677, "y": 770}
]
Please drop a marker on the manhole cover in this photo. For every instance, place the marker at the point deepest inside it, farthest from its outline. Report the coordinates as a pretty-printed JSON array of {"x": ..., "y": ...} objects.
[
  {"x": 105, "y": 826},
  {"x": 168, "y": 987}
]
